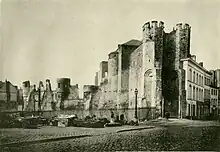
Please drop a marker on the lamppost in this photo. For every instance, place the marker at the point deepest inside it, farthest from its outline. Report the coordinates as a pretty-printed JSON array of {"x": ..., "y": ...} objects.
[{"x": 135, "y": 116}]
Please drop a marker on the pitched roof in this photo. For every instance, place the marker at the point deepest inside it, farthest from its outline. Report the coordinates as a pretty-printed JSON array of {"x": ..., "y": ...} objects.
[{"x": 133, "y": 42}]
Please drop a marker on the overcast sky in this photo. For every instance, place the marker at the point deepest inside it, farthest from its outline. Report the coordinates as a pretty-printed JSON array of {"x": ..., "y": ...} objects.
[{"x": 43, "y": 39}]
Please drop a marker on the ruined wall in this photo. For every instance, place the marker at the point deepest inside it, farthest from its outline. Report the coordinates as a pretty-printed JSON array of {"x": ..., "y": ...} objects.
[
  {"x": 47, "y": 97},
  {"x": 103, "y": 103},
  {"x": 103, "y": 70},
  {"x": 91, "y": 96},
  {"x": 96, "y": 79},
  {"x": 135, "y": 72},
  {"x": 113, "y": 77},
  {"x": 74, "y": 92},
  {"x": 26, "y": 91},
  {"x": 63, "y": 91}
]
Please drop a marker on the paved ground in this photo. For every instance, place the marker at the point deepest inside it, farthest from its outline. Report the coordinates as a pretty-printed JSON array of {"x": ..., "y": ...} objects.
[
  {"x": 12, "y": 135},
  {"x": 168, "y": 135},
  {"x": 171, "y": 138}
]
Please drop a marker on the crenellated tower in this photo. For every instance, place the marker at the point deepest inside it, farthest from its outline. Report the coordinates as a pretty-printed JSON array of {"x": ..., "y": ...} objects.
[{"x": 183, "y": 40}]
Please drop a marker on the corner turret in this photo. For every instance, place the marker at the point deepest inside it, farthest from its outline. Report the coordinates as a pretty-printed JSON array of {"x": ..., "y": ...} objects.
[{"x": 183, "y": 39}]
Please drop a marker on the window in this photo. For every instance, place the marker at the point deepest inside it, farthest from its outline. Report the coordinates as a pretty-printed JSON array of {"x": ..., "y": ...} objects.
[
  {"x": 193, "y": 92},
  {"x": 197, "y": 78},
  {"x": 202, "y": 80},
  {"x": 196, "y": 93},
  {"x": 202, "y": 95},
  {"x": 212, "y": 92},
  {"x": 189, "y": 109},
  {"x": 194, "y": 76},
  {"x": 58, "y": 85},
  {"x": 190, "y": 92},
  {"x": 190, "y": 74}
]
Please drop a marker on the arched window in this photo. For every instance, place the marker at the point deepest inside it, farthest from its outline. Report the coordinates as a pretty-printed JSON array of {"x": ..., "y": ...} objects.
[
  {"x": 199, "y": 79},
  {"x": 190, "y": 92}
]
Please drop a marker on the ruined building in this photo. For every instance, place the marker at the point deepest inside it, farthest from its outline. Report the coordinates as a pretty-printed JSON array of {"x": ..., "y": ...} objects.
[
  {"x": 9, "y": 96},
  {"x": 151, "y": 65},
  {"x": 45, "y": 99},
  {"x": 37, "y": 98},
  {"x": 67, "y": 95}
]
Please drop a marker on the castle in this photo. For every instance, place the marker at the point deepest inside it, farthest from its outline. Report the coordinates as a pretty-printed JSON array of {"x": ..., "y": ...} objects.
[
  {"x": 160, "y": 67},
  {"x": 153, "y": 66}
]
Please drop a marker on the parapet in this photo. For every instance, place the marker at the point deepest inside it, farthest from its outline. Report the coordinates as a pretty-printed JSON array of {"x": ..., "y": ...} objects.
[
  {"x": 153, "y": 24},
  {"x": 180, "y": 26},
  {"x": 61, "y": 80},
  {"x": 90, "y": 88},
  {"x": 104, "y": 62},
  {"x": 26, "y": 84},
  {"x": 112, "y": 54},
  {"x": 41, "y": 83}
]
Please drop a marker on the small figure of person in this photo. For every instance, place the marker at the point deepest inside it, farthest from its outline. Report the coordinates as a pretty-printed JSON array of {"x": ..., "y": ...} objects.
[
  {"x": 112, "y": 117},
  {"x": 167, "y": 115}
]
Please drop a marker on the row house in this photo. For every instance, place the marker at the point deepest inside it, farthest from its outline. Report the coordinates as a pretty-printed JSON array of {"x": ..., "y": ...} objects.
[{"x": 201, "y": 96}]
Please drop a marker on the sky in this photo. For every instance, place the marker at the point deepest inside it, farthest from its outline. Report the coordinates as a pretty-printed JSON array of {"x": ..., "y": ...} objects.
[{"x": 50, "y": 39}]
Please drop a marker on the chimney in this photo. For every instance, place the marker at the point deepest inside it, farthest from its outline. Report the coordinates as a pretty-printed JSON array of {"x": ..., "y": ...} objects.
[
  {"x": 201, "y": 64},
  {"x": 193, "y": 57}
]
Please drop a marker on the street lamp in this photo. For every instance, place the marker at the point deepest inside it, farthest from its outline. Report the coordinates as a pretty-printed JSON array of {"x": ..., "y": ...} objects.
[{"x": 135, "y": 116}]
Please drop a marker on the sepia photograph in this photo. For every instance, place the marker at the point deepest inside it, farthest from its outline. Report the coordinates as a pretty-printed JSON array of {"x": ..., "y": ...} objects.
[{"x": 109, "y": 75}]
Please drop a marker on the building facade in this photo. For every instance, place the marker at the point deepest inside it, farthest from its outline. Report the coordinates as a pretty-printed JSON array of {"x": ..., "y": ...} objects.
[{"x": 199, "y": 89}]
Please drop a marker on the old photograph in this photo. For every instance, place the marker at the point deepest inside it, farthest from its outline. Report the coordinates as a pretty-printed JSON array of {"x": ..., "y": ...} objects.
[{"x": 109, "y": 75}]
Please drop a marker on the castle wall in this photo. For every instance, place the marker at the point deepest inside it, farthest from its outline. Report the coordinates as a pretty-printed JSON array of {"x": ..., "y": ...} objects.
[
  {"x": 91, "y": 96},
  {"x": 103, "y": 102},
  {"x": 135, "y": 72},
  {"x": 74, "y": 92},
  {"x": 96, "y": 79},
  {"x": 123, "y": 73},
  {"x": 113, "y": 77},
  {"x": 103, "y": 70},
  {"x": 148, "y": 75}
]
